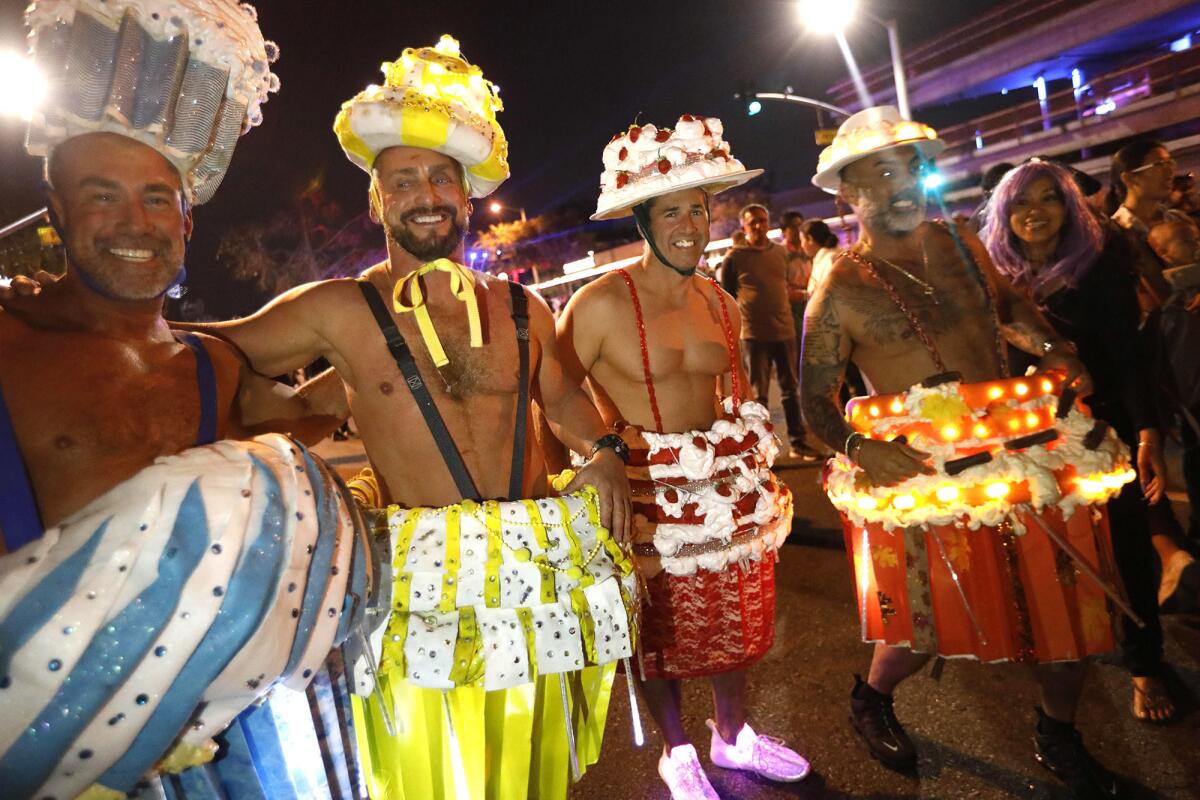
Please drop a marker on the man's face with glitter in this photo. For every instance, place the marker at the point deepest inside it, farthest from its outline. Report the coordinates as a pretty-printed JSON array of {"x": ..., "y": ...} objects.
[
  {"x": 884, "y": 189},
  {"x": 419, "y": 197}
]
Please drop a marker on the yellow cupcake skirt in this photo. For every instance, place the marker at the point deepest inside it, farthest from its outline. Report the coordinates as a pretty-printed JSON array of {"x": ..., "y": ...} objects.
[{"x": 506, "y": 618}]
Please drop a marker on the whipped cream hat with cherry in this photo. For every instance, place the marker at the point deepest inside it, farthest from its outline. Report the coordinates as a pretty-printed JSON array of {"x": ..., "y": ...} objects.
[
  {"x": 185, "y": 77},
  {"x": 435, "y": 99},
  {"x": 647, "y": 162}
]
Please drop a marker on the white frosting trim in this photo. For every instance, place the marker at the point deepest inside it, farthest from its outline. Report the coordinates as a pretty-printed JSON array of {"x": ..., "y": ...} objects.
[{"x": 697, "y": 461}]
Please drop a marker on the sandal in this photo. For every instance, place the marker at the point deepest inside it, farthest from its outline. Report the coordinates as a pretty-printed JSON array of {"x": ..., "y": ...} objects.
[{"x": 1151, "y": 701}]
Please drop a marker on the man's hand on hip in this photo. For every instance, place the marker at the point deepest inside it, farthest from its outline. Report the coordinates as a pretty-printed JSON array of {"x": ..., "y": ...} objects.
[{"x": 606, "y": 471}]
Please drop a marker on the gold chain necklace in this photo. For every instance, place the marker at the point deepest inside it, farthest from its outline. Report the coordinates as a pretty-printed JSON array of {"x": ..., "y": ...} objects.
[{"x": 925, "y": 287}]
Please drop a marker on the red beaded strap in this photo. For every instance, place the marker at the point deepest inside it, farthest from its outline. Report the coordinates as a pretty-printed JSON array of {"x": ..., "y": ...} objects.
[
  {"x": 731, "y": 344},
  {"x": 641, "y": 324}
]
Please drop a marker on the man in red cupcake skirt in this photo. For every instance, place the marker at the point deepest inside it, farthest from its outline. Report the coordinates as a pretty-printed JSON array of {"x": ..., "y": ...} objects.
[
  {"x": 656, "y": 343},
  {"x": 973, "y": 502}
]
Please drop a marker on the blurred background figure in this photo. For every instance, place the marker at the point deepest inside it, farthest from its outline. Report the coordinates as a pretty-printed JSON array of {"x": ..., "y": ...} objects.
[
  {"x": 987, "y": 185},
  {"x": 756, "y": 273},
  {"x": 799, "y": 267},
  {"x": 1184, "y": 196}
]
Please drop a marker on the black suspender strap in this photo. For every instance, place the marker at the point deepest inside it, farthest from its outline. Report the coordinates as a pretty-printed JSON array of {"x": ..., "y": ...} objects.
[
  {"x": 420, "y": 392},
  {"x": 520, "y": 315}
]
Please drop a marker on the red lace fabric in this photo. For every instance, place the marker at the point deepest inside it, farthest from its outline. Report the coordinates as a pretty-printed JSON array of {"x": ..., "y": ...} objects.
[{"x": 708, "y": 623}]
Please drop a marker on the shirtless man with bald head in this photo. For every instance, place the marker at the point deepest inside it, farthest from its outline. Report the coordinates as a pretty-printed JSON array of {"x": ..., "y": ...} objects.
[
  {"x": 914, "y": 299},
  {"x": 96, "y": 384}
]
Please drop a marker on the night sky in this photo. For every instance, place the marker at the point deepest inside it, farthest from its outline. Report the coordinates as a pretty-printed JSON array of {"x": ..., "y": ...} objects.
[{"x": 571, "y": 75}]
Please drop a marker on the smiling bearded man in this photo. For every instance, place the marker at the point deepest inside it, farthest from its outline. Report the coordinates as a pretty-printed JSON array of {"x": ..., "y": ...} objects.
[{"x": 501, "y": 590}]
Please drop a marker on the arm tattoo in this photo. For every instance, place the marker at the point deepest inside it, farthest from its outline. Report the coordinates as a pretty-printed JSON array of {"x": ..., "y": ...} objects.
[{"x": 822, "y": 366}]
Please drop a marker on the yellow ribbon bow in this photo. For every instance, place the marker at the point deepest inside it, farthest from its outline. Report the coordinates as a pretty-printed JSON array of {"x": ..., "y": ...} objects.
[{"x": 462, "y": 286}]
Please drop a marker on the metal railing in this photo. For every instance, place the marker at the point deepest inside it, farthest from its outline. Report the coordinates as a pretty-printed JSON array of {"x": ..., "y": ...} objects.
[
  {"x": 1006, "y": 21},
  {"x": 1160, "y": 76}
]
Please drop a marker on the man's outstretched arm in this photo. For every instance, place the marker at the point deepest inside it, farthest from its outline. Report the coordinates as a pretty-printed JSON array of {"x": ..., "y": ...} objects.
[{"x": 285, "y": 334}]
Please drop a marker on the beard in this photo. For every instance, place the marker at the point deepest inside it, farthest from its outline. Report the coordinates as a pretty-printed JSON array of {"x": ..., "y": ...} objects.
[
  {"x": 431, "y": 247},
  {"x": 882, "y": 217},
  {"x": 119, "y": 280}
]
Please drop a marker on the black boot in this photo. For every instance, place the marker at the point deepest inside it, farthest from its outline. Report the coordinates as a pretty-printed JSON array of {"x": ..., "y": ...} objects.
[
  {"x": 872, "y": 716},
  {"x": 1058, "y": 747}
]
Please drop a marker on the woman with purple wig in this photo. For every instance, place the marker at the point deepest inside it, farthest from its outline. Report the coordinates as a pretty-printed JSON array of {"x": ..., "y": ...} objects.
[{"x": 1042, "y": 235}]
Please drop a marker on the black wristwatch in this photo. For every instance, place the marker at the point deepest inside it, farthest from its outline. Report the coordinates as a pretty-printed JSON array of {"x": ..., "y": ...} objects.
[{"x": 613, "y": 441}]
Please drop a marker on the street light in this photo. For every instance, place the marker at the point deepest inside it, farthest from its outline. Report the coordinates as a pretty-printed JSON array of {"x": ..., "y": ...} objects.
[
  {"x": 496, "y": 207},
  {"x": 22, "y": 87},
  {"x": 799, "y": 99},
  {"x": 824, "y": 16}
]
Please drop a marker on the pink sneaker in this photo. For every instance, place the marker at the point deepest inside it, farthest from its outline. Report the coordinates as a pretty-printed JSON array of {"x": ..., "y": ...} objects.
[
  {"x": 765, "y": 755},
  {"x": 683, "y": 775}
]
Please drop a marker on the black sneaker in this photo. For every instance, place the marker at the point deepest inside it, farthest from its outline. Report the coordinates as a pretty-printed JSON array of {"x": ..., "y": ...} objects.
[
  {"x": 872, "y": 716},
  {"x": 1059, "y": 748}
]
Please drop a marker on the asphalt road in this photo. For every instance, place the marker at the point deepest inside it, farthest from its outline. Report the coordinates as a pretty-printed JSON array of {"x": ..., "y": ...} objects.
[{"x": 973, "y": 727}]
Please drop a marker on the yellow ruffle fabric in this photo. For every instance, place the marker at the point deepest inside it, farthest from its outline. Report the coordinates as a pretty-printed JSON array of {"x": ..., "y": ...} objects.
[{"x": 513, "y": 743}]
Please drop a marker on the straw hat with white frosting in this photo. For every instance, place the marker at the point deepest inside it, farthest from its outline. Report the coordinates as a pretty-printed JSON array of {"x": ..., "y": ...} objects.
[
  {"x": 872, "y": 130},
  {"x": 432, "y": 98}
]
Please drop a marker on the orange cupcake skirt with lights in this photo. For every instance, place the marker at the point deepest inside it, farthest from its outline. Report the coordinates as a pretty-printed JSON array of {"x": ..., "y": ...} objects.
[{"x": 964, "y": 562}]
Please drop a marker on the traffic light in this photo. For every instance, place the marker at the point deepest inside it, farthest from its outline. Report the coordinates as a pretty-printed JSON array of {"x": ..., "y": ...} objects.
[{"x": 746, "y": 94}]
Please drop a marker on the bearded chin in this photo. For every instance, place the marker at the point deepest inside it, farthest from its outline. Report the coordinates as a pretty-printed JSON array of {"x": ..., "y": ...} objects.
[
  {"x": 893, "y": 223},
  {"x": 428, "y": 248}
]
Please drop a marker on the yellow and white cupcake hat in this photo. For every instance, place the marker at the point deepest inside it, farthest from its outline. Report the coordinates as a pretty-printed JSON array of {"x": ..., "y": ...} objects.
[
  {"x": 185, "y": 78},
  {"x": 433, "y": 98}
]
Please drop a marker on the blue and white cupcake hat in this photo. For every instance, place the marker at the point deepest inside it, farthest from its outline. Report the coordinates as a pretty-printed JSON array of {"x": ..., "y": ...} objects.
[{"x": 185, "y": 77}]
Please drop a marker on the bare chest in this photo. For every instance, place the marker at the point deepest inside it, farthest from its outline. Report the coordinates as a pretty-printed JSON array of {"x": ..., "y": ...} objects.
[
  {"x": 472, "y": 372},
  {"x": 89, "y": 413},
  {"x": 475, "y": 395},
  {"x": 891, "y": 310},
  {"x": 682, "y": 341}
]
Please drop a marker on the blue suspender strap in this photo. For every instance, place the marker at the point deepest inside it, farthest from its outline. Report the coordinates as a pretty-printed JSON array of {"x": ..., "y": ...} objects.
[
  {"x": 20, "y": 522},
  {"x": 206, "y": 381}
]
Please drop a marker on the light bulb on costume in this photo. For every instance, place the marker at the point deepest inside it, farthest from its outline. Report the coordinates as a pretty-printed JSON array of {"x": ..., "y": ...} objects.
[{"x": 641, "y": 215}]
